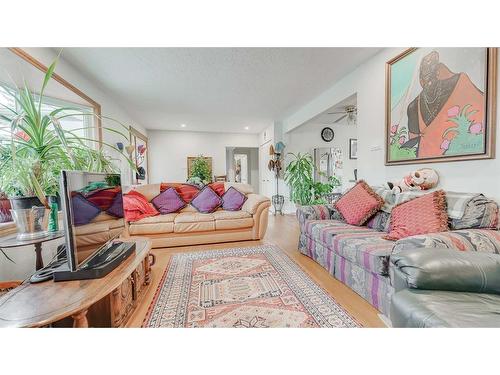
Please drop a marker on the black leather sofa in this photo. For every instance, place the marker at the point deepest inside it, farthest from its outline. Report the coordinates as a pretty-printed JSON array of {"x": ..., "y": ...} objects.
[{"x": 445, "y": 288}]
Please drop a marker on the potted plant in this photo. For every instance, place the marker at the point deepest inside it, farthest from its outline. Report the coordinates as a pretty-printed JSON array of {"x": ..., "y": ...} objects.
[
  {"x": 34, "y": 148},
  {"x": 303, "y": 189}
]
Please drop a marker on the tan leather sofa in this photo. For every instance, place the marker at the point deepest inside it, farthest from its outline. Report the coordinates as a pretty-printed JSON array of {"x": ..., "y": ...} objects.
[{"x": 189, "y": 227}]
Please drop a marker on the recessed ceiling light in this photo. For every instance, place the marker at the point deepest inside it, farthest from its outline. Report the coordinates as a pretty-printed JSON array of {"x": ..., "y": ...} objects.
[
  {"x": 247, "y": 127},
  {"x": 183, "y": 125}
]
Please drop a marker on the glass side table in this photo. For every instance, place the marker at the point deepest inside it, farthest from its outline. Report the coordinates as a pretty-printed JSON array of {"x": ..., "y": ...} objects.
[{"x": 12, "y": 241}]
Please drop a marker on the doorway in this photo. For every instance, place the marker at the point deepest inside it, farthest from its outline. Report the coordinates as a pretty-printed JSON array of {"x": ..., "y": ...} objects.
[{"x": 242, "y": 165}]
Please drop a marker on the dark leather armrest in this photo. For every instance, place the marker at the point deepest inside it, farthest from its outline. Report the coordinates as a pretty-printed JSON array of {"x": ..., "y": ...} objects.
[{"x": 446, "y": 269}]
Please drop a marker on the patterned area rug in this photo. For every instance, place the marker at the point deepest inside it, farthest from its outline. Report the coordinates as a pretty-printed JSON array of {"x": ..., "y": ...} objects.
[{"x": 242, "y": 288}]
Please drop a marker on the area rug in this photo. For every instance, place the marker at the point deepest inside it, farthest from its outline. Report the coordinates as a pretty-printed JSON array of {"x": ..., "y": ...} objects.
[{"x": 251, "y": 287}]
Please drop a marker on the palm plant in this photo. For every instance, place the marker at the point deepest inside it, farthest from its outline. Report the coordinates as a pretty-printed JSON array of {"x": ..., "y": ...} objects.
[
  {"x": 299, "y": 177},
  {"x": 37, "y": 147},
  {"x": 303, "y": 189}
]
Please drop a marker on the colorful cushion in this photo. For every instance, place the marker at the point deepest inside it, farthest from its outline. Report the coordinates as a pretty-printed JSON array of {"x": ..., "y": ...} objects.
[
  {"x": 186, "y": 191},
  {"x": 359, "y": 204},
  {"x": 168, "y": 201},
  {"x": 137, "y": 207},
  {"x": 116, "y": 208},
  {"x": 206, "y": 201},
  {"x": 103, "y": 198},
  {"x": 380, "y": 221},
  {"x": 421, "y": 215},
  {"x": 232, "y": 200},
  {"x": 83, "y": 210},
  {"x": 218, "y": 187}
]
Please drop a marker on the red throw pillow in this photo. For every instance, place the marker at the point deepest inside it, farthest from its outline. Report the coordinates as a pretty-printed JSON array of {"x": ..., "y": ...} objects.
[
  {"x": 421, "y": 215},
  {"x": 218, "y": 187},
  {"x": 359, "y": 204},
  {"x": 137, "y": 207},
  {"x": 186, "y": 192}
]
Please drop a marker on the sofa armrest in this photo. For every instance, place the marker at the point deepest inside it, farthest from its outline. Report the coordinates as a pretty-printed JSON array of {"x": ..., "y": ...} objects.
[
  {"x": 446, "y": 269},
  {"x": 316, "y": 212},
  {"x": 253, "y": 202}
]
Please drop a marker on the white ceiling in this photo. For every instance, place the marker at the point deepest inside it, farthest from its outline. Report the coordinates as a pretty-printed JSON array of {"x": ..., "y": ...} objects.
[
  {"x": 324, "y": 118},
  {"x": 214, "y": 89}
]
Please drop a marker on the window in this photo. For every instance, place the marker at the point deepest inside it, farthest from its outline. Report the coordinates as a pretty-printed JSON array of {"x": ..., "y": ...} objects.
[{"x": 79, "y": 125}]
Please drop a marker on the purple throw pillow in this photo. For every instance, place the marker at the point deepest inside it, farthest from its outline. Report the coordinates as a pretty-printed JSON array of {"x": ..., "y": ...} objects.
[
  {"x": 206, "y": 201},
  {"x": 232, "y": 199},
  {"x": 168, "y": 201},
  {"x": 116, "y": 208},
  {"x": 83, "y": 210}
]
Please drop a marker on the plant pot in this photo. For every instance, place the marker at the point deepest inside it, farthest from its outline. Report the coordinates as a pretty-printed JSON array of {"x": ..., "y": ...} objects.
[
  {"x": 30, "y": 216},
  {"x": 24, "y": 202}
]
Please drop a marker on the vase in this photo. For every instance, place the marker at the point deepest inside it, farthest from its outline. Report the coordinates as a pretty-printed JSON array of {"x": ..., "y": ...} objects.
[{"x": 30, "y": 216}]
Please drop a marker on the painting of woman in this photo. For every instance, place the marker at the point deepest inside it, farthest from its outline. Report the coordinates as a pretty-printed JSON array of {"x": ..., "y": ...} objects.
[{"x": 438, "y": 105}]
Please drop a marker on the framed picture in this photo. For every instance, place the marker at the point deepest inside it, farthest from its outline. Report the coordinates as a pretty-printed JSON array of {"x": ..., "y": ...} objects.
[
  {"x": 140, "y": 157},
  {"x": 440, "y": 105},
  {"x": 353, "y": 148},
  {"x": 190, "y": 160}
]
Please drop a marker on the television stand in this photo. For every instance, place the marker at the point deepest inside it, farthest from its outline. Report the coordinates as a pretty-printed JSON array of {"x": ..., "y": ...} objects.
[{"x": 105, "y": 302}]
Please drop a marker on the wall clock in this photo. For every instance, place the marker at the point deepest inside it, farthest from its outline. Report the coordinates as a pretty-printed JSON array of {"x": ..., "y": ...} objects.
[{"x": 327, "y": 134}]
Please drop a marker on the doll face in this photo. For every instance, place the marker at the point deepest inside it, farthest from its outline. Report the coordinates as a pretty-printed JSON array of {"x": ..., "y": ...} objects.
[{"x": 426, "y": 177}]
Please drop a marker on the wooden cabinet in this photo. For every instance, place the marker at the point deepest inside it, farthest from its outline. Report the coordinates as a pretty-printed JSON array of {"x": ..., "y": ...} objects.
[{"x": 115, "y": 308}]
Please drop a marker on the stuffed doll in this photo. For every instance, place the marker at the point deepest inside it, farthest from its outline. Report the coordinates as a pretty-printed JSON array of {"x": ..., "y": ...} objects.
[{"x": 422, "y": 179}]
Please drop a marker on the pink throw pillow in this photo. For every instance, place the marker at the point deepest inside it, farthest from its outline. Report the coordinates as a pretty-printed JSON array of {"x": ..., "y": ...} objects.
[
  {"x": 421, "y": 215},
  {"x": 359, "y": 204}
]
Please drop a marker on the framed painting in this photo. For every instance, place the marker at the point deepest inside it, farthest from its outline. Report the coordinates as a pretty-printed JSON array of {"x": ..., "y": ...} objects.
[
  {"x": 440, "y": 105},
  {"x": 139, "y": 155},
  {"x": 353, "y": 148},
  {"x": 190, "y": 160}
]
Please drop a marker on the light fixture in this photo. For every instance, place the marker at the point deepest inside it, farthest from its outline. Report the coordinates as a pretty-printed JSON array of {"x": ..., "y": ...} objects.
[
  {"x": 247, "y": 127},
  {"x": 183, "y": 125}
]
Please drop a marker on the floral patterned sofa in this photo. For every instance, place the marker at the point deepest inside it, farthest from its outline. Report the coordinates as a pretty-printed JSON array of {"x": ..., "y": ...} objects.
[{"x": 359, "y": 257}]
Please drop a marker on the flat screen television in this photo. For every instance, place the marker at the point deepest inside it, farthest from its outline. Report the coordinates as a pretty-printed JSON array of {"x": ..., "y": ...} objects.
[{"x": 93, "y": 216}]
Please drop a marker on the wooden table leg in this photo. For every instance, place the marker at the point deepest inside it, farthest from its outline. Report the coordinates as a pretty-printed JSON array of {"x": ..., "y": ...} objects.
[
  {"x": 80, "y": 319},
  {"x": 38, "y": 252}
]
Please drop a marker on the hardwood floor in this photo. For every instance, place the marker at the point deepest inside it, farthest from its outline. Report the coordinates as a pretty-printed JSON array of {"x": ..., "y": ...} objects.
[{"x": 283, "y": 231}]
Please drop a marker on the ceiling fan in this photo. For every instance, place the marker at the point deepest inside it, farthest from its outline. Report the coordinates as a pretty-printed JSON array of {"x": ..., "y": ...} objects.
[{"x": 349, "y": 111}]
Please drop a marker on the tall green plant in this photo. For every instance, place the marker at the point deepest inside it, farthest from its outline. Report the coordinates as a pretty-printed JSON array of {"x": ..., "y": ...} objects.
[
  {"x": 200, "y": 169},
  {"x": 299, "y": 177},
  {"x": 35, "y": 147},
  {"x": 303, "y": 189}
]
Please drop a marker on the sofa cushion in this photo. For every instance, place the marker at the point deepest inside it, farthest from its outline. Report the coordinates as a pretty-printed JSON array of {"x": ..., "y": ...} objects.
[
  {"x": 206, "y": 201},
  {"x": 480, "y": 212},
  {"x": 83, "y": 210},
  {"x": 360, "y": 245},
  {"x": 151, "y": 228},
  {"x": 201, "y": 226},
  {"x": 244, "y": 188},
  {"x": 234, "y": 223},
  {"x": 186, "y": 191},
  {"x": 149, "y": 191},
  {"x": 168, "y": 201},
  {"x": 168, "y": 218},
  {"x": 380, "y": 222},
  {"x": 425, "y": 214},
  {"x": 137, "y": 207},
  {"x": 415, "y": 308},
  {"x": 193, "y": 217},
  {"x": 232, "y": 200},
  {"x": 359, "y": 204},
  {"x": 116, "y": 208},
  {"x": 230, "y": 215},
  {"x": 483, "y": 240}
]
